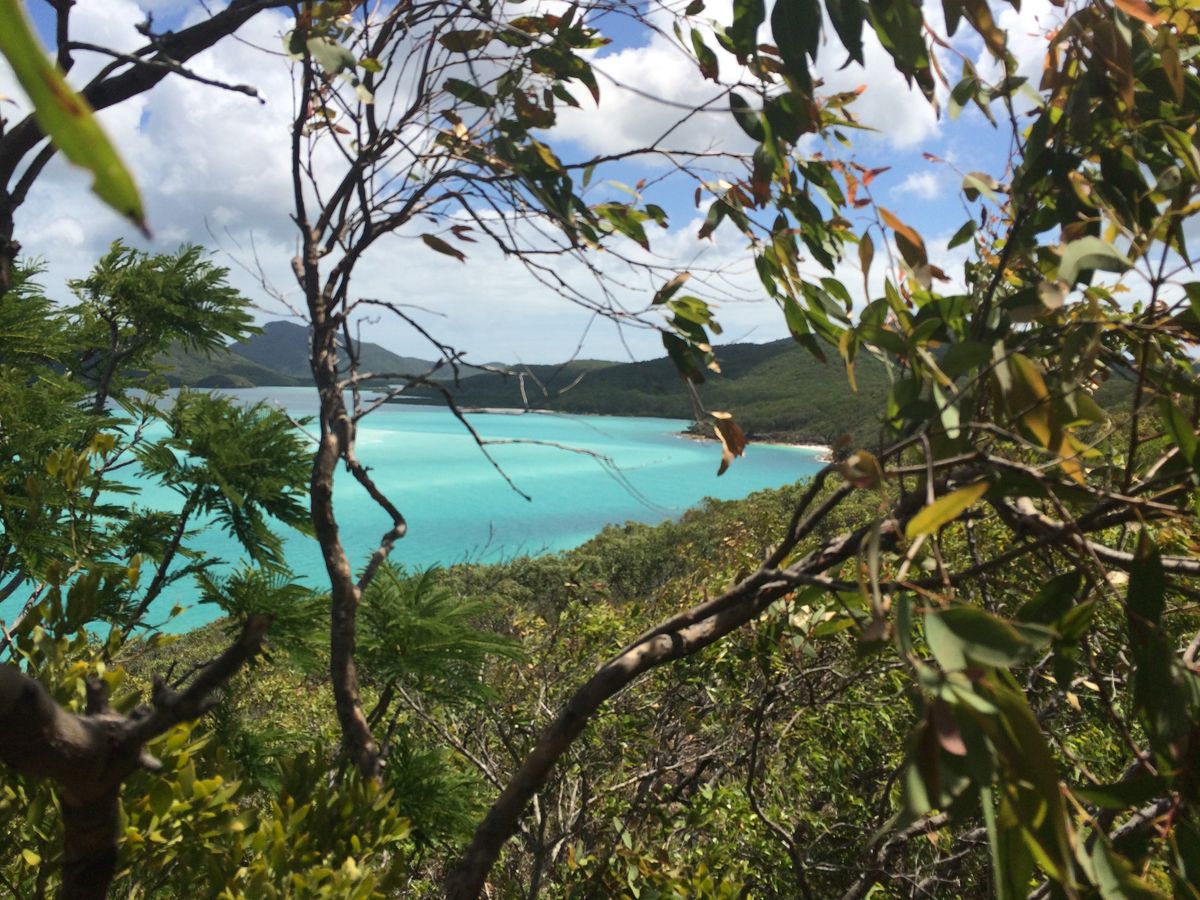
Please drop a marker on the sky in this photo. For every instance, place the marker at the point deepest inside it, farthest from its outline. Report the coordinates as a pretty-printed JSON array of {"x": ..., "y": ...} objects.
[{"x": 213, "y": 166}]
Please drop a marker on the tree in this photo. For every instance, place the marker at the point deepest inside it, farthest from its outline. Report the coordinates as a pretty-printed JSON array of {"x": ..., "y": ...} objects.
[
  {"x": 72, "y": 556},
  {"x": 998, "y": 452},
  {"x": 993, "y": 400}
]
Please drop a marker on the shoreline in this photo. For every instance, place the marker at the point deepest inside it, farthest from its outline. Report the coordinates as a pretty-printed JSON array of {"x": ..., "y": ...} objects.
[
  {"x": 773, "y": 438},
  {"x": 824, "y": 451},
  {"x": 777, "y": 439}
]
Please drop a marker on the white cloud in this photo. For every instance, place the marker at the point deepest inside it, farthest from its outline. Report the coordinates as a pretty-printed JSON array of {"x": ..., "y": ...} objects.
[
  {"x": 1027, "y": 29},
  {"x": 212, "y": 159},
  {"x": 646, "y": 91},
  {"x": 923, "y": 185}
]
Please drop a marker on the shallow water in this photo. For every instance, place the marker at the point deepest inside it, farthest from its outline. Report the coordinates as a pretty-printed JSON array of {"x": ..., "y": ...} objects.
[{"x": 459, "y": 508}]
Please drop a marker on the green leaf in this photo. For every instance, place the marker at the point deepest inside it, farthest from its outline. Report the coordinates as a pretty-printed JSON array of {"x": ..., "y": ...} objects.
[
  {"x": 689, "y": 361},
  {"x": 1147, "y": 585},
  {"x": 709, "y": 67},
  {"x": 1185, "y": 838},
  {"x": 847, "y": 17},
  {"x": 469, "y": 93},
  {"x": 1012, "y": 863},
  {"x": 964, "y": 356},
  {"x": 945, "y": 646},
  {"x": 900, "y": 27},
  {"x": 1090, "y": 253},
  {"x": 1179, "y": 428},
  {"x": 65, "y": 116},
  {"x": 746, "y": 116},
  {"x": 331, "y": 56},
  {"x": 1135, "y": 791},
  {"x": 944, "y": 509},
  {"x": 1115, "y": 877},
  {"x": 796, "y": 28},
  {"x": 964, "y": 234},
  {"x": 1052, "y": 600},
  {"x": 743, "y": 33},
  {"x": 979, "y": 635},
  {"x": 465, "y": 41}
]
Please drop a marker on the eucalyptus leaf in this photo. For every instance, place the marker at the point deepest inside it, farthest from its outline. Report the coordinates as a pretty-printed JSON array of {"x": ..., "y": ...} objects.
[{"x": 66, "y": 117}]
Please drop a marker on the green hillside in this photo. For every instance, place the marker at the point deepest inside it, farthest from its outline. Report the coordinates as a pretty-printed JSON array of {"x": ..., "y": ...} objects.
[
  {"x": 223, "y": 369},
  {"x": 774, "y": 388},
  {"x": 283, "y": 347},
  {"x": 279, "y": 356}
]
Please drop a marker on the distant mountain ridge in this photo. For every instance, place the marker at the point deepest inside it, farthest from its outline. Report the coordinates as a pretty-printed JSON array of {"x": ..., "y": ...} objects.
[
  {"x": 775, "y": 389},
  {"x": 279, "y": 356}
]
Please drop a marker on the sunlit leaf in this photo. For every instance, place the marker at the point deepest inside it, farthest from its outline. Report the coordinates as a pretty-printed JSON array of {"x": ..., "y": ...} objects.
[
  {"x": 65, "y": 116},
  {"x": 1089, "y": 253},
  {"x": 330, "y": 55},
  {"x": 944, "y": 509}
]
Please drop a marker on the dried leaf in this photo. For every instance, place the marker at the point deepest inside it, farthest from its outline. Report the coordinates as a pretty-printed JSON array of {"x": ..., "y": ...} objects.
[
  {"x": 1053, "y": 294},
  {"x": 861, "y": 469},
  {"x": 866, "y": 255},
  {"x": 910, "y": 244},
  {"x": 1139, "y": 9},
  {"x": 732, "y": 438},
  {"x": 668, "y": 290},
  {"x": 436, "y": 243}
]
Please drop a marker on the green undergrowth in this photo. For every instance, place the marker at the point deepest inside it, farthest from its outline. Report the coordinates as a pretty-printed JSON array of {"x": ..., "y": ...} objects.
[{"x": 767, "y": 760}]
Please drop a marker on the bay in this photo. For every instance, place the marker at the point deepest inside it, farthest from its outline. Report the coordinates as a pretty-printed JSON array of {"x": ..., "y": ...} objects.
[{"x": 580, "y": 474}]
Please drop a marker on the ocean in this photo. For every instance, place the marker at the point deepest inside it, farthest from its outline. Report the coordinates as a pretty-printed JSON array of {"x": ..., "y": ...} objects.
[{"x": 580, "y": 473}]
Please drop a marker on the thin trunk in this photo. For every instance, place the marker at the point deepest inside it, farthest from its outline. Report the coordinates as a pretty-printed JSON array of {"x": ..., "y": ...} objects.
[
  {"x": 336, "y": 437},
  {"x": 160, "y": 574},
  {"x": 8, "y": 247}
]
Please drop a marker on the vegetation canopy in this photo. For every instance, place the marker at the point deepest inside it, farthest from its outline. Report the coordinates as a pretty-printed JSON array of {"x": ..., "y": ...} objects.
[{"x": 961, "y": 660}]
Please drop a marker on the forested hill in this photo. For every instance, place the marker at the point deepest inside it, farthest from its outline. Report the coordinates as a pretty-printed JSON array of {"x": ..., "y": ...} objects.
[
  {"x": 774, "y": 389},
  {"x": 277, "y": 356}
]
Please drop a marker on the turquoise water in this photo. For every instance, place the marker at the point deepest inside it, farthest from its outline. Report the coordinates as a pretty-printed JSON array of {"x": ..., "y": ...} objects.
[{"x": 460, "y": 509}]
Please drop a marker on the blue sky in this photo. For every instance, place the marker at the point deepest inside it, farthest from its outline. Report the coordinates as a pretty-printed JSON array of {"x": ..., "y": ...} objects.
[{"x": 213, "y": 167}]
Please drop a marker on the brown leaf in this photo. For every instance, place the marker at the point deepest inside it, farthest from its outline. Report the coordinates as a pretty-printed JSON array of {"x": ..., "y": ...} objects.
[
  {"x": 732, "y": 438},
  {"x": 866, "y": 254},
  {"x": 948, "y": 734},
  {"x": 871, "y": 173},
  {"x": 908, "y": 242},
  {"x": 436, "y": 243},
  {"x": 1139, "y": 9},
  {"x": 980, "y": 16},
  {"x": 1053, "y": 294}
]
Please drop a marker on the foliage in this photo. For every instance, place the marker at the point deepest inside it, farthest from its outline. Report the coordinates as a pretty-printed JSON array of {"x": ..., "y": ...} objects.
[
  {"x": 961, "y": 659},
  {"x": 994, "y": 422}
]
